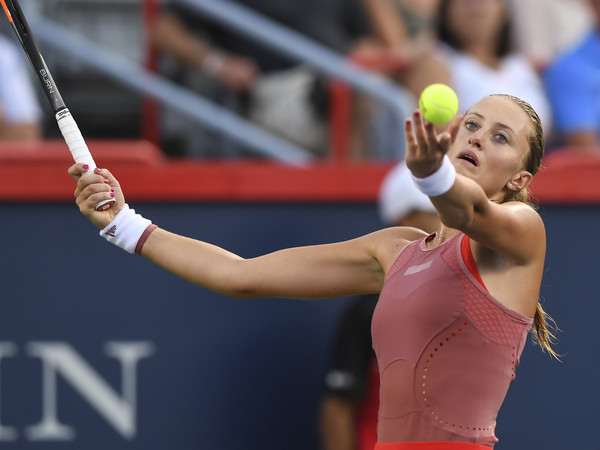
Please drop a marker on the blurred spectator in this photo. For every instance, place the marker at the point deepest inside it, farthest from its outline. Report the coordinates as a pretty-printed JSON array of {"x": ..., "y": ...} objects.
[
  {"x": 544, "y": 28},
  {"x": 573, "y": 83},
  {"x": 272, "y": 90},
  {"x": 474, "y": 54},
  {"x": 20, "y": 113},
  {"x": 414, "y": 30},
  {"x": 402, "y": 204},
  {"x": 404, "y": 32},
  {"x": 350, "y": 406}
]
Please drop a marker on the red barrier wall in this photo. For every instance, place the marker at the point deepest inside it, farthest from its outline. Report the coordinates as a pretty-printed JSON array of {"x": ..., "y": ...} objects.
[{"x": 38, "y": 171}]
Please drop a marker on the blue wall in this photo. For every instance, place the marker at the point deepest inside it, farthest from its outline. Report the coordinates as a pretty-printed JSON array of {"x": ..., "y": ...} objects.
[{"x": 230, "y": 375}]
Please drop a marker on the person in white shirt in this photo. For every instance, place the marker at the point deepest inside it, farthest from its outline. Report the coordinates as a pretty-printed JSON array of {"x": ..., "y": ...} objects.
[
  {"x": 20, "y": 112},
  {"x": 477, "y": 57}
]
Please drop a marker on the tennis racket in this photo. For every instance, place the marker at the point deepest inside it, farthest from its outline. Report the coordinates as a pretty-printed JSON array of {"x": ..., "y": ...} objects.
[{"x": 66, "y": 123}]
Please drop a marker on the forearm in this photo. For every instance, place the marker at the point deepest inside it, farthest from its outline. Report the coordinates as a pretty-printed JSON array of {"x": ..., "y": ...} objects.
[
  {"x": 458, "y": 207},
  {"x": 171, "y": 36},
  {"x": 387, "y": 23},
  {"x": 318, "y": 271},
  {"x": 199, "y": 262},
  {"x": 321, "y": 271},
  {"x": 457, "y": 199}
]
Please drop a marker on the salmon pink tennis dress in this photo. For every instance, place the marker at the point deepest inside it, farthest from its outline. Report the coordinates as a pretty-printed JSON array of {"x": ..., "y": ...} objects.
[{"x": 446, "y": 350}]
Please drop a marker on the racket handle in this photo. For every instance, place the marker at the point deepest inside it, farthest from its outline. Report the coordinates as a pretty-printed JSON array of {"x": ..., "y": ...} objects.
[{"x": 78, "y": 147}]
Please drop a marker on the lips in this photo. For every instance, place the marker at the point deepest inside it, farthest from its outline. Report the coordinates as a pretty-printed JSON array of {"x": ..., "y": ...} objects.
[{"x": 470, "y": 157}]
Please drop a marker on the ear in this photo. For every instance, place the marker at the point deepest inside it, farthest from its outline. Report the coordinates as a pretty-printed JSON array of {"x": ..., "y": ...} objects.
[{"x": 519, "y": 181}]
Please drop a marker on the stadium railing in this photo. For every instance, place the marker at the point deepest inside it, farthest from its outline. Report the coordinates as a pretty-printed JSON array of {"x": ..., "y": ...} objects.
[{"x": 254, "y": 26}]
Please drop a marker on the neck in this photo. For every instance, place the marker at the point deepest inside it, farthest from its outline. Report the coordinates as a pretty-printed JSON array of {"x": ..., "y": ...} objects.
[{"x": 442, "y": 235}]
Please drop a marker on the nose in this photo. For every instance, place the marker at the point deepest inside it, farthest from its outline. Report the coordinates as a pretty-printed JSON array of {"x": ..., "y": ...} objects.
[{"x": 476, "y": 140}]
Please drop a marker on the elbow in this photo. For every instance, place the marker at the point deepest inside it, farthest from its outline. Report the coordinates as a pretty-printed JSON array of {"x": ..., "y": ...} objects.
[
  {"x": 229, "y": 277},
  {"x": 234, "y": 291},
  {"x": 240, "y": 291},
  {"x": 237, "y": 279},
  {"x": 241, "y": 295}
]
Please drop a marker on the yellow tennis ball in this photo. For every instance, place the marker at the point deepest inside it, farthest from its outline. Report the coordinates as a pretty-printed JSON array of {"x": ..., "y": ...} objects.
[{"x": 438, "y": 103}]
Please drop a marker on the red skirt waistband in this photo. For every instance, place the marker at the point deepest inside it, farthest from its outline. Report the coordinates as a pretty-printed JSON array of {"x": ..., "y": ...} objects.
[{"x": 430, "y": 446}]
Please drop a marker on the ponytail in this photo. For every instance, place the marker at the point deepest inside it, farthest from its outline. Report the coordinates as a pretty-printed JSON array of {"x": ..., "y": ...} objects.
[{"x": 545, "y": 327}]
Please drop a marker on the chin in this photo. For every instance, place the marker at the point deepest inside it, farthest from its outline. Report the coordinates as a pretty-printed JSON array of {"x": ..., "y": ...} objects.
[{"x": 465, "y": 168}]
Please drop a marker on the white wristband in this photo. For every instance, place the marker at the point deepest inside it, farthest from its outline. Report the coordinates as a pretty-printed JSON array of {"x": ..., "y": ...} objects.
[
  {"x": 440, "y": 181},
  {"x": 126, "y": 229}
]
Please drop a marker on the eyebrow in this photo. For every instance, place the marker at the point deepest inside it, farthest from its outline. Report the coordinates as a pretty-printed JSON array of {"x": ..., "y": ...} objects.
[{"x": 502, "y": 125}]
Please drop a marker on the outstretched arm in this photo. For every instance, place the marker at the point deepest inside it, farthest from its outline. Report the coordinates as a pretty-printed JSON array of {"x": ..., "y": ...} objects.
[
  {"x": 331, "y": 270},
  {"x": 319, "y": 271}
]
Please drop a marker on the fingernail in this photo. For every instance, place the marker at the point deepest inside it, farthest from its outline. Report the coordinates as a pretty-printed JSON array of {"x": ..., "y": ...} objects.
[
  {"x": 112, "y": 190},
  {"x": 106, "y": 180},
  {"x": 112, "y": 194},
  {"x": 98, "y": 170},
  {"x": 86, "y": 167}
]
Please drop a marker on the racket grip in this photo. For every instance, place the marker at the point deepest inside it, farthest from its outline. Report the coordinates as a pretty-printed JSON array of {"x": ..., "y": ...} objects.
[
  {"x": 78, "y": 148},
  {"x": 74, "y": 139}
]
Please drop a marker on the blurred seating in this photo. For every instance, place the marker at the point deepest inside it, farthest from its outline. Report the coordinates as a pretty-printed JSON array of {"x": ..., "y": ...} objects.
[{"x": 103, "y": 107}]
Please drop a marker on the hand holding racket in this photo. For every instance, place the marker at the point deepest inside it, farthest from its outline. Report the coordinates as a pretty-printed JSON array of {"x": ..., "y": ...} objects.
[
  {"x": 95, "y": 186},
  {"x": 66, "y": 123}
]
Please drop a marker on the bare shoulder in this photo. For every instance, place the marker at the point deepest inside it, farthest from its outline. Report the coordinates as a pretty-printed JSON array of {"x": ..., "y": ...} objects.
[
  {"x": 515, "y": 230},
  {"x": 527, "y": 216},
  {"x": 520, "y": 206}
]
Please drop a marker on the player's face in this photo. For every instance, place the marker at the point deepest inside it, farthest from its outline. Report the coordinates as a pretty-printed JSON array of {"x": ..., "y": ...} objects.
[{"x": 492, "y": 144}]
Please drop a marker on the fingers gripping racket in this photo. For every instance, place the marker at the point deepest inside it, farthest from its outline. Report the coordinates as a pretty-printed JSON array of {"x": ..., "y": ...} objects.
[{"x": 66, "y": 123}]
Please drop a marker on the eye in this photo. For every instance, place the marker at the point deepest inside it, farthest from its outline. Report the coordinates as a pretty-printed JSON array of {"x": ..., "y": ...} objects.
[
  {"x": 471, "y": 125},
  {"x": 502, "y": 137}
]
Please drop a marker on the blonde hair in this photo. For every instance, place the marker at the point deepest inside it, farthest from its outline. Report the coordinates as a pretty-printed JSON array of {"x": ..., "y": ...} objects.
[
  {"x": 545, "y": 327},
  {"x": 535, "y": 140}
]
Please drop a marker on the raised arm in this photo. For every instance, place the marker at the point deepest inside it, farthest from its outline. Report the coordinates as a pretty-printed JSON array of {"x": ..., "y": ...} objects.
[
  {"x": 352, "y": 267},
  {"x": 488, "y": 164}
]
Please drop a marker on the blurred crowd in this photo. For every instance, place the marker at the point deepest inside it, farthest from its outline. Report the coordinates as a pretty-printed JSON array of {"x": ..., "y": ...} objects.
[{"x": 546, "y": 52}]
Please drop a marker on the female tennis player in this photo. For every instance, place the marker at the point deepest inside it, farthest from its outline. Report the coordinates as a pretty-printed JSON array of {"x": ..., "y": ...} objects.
[{"x": 455, "y": 306}]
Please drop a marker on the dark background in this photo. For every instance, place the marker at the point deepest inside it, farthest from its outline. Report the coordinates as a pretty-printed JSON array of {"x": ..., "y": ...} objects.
[{"x": 231, "y": 375}]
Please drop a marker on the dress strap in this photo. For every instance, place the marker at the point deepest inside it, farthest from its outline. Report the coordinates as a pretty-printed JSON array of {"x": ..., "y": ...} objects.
[{"x": 465, "y": 250}]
